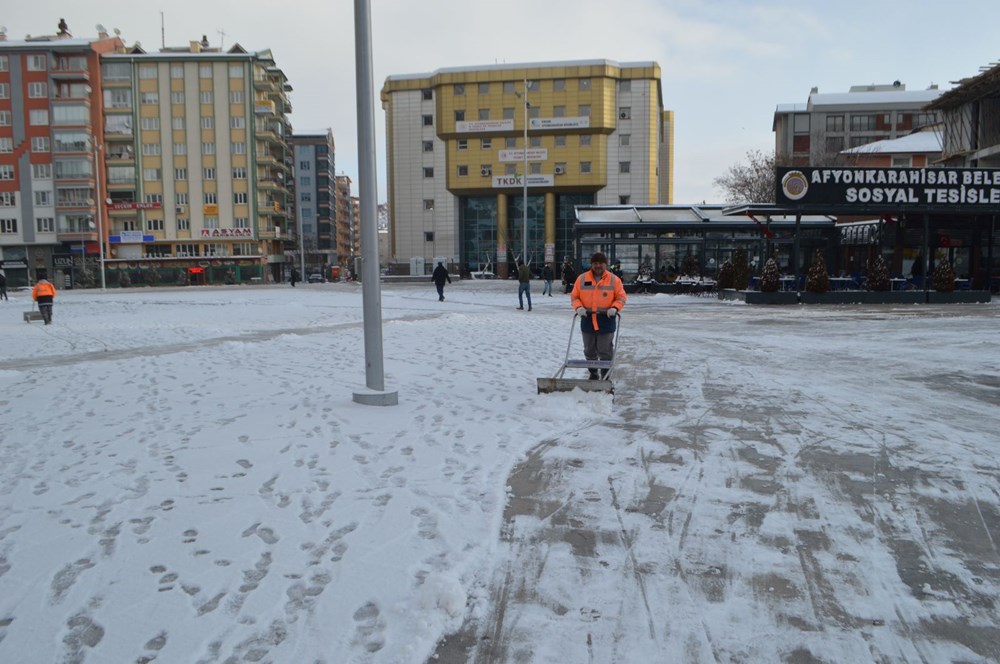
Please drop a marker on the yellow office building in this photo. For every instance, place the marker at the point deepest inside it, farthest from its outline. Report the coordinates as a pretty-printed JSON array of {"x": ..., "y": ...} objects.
[{"x": 460, "y": 139}]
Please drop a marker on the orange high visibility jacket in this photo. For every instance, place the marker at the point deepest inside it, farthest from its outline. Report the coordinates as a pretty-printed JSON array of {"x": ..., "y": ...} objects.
[
  {"x": 43, "y": 289},
  {"x": 597, "y": 296}
]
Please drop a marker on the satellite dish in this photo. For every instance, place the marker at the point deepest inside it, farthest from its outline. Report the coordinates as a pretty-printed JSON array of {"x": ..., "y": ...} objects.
[
  {"x": 100, "y": 28},
  {"x": 117, "y": 32}
]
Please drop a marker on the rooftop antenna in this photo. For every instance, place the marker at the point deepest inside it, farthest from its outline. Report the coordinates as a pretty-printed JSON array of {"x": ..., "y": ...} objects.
[
  {"x": 163, "y": 33},
  {"x": 222, "y": 38}
]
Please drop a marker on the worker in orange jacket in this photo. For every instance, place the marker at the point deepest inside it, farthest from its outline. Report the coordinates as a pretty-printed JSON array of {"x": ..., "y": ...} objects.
[
  {"x": 598, "y": 296},
  {"x": 44, "y": 293}
]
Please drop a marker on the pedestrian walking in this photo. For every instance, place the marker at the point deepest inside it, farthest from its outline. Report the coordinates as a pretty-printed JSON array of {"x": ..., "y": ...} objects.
[
  {"x": 44, "y": 293},
  {"x": 547, "y": 280},
  {"x": 3, "y": 285},
  {"x": 598, "y": 296},
  {"x": 439, "y": 277},
  {"x": 523, "y": 284},
  {"x": 568, "y": 275},
  {"x": 294, "y": 277}
]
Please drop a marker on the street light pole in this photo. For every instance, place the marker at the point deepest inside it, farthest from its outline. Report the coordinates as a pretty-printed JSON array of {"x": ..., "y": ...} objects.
[
  {"x": 100, "y": 218},
  {"x": 524, "y": 182}
]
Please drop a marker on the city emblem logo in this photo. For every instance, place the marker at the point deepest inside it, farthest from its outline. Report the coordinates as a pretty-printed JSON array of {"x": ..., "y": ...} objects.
[{"x": 795, "y": 185}]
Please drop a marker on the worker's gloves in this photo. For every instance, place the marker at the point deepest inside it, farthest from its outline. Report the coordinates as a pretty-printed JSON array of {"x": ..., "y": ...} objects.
[
  {"x": 612, "y": 312},
  {"x": 581, "y": 312}
]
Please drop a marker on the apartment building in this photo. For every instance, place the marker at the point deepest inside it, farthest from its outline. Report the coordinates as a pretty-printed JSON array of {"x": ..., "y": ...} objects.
[
  {"x": 50, "y": 132},
  {"x": 461, "y": 140},
  {"x": 199, "y": 163},
  {"x": 971, "y": 123},
  {"x": 346, "y": 221},
  {"x": 818, "y": 131},
  {"x": 315, "y": 211}
]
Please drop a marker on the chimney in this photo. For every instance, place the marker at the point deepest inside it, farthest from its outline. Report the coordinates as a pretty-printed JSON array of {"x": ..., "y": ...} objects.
[
  {"x": 3, "y": 34},
  {"x": 815, "y": 90},
  {"x": 195, "y": 47}
]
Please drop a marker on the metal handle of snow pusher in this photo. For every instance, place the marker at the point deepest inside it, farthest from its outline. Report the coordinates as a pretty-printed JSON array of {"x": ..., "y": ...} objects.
[{"x": 569, "y": 344}]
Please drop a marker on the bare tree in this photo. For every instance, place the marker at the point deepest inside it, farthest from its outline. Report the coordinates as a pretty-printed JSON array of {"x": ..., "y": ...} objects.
[{"x": 751, "y": 181}]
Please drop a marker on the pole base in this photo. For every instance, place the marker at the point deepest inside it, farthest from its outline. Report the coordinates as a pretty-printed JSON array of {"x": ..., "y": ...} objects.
[{"x": 377, "y": 398}]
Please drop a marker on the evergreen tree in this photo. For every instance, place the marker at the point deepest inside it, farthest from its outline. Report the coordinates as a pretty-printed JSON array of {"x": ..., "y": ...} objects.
[
  {"x": 725, "y": 278},
  {"x": 770, "y": 278},
  {"x": 878, "y": 275},
  {"x": 689, "y": 268},
  {"x": 943, "y": 278},
  {"x": 817, "y": 279}
]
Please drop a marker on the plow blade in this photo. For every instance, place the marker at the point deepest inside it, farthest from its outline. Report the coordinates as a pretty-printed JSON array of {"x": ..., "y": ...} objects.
[{"x": 549, "y": 385}]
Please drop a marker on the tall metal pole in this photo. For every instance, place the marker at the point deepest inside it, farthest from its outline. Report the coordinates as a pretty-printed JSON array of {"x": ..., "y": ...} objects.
[
  {"x": 371, "y": 288},
  {"x": 524, "y": 182},
  {"x": 100, "y": 217}
]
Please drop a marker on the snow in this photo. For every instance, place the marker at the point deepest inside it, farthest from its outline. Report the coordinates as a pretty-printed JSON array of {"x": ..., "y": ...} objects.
[{"x": 184, "y": 477}]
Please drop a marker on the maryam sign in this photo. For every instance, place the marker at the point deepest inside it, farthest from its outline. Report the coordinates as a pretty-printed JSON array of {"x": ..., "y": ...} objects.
[{"x": 925, "y": 188}]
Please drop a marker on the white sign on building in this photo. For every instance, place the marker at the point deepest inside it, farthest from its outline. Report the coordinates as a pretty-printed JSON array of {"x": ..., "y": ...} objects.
[
  {"x": 534, "y": 154},
  {"x": 512, "y": 181},
  {"x": 560, "y": 123},
  {"x": 479, "y": 126}
]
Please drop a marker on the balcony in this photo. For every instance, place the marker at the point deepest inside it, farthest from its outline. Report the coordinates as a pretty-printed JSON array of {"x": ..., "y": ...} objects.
[
  {"x": 263, "y": 107},
  {"x": 70, "y": 73}
]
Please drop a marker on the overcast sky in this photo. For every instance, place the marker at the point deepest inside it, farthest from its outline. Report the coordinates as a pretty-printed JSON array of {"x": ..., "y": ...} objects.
[{"x": 725, "y": 63}]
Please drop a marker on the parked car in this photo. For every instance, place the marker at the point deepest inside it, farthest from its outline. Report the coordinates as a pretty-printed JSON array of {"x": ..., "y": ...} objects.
[{"x": 316, "y": 278}]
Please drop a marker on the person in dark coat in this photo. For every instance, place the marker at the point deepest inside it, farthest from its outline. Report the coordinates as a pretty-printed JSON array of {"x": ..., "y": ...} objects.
[
  {"x": 439, "y": 277},
  {"x": 294, "y": 277},
  {"x": 568, "y": 275},
  {"x": 547, "y": 278},
  {"x": 3, "y": 285}
]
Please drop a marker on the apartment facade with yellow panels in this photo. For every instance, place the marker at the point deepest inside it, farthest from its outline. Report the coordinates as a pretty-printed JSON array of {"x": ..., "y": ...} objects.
[
  {"x": 596, "y": 130},
  {"x": 198, "y": 163}
]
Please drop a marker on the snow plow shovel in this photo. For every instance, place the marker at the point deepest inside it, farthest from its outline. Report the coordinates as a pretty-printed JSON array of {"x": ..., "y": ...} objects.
[{"x": 605, "y": 370}]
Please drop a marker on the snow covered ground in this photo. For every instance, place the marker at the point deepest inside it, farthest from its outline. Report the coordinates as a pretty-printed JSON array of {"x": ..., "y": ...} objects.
[{"x": 184, "y": 477}]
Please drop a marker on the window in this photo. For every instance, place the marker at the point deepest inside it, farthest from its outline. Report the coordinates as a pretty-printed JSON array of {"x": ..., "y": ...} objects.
[
  {"x": 486, "y": 170},
  {"x": 306, "y": 197},
  {"x": 307, "y": 212},
  {"x": 902, "y": 161},
  {"x": 45, "y": 225},
  {"x": 237, "y": 122},
  {"x": 428, "y": 203},
  {"x": 180, "y": 174},
  {"x": 558, "y": 111},
  {"x": 625, "y": 140},
  {"x": 510, "y": 142},
  {"x": 6, "y": 144},
  {"x": 121, "y": 174},
  {"x": 535, "y": 141},
  {"x": 38, "y": 63},
  {"x": 147, "y": 71},
  {"x": 211, "y": 222},
  {"x": 428, "y": 236},
  {"x": 205, "y": 71},
  {"x": 584, "y": 83},
  {"x": 510, "y": 169},
  {"x": 486, "y": 144},
  {"x": 154, "y": 224},
  {"x": 183, "y": 224},
  {"x": 180, "y": 148},
  {"x": 236, "y": 97},
  {"x": 8, "y": 226},
  {"x": 4, "y": 91},
  {"x": 624, "y": 167},
  {"x": 150, "y": 174},
  {"x": 427, "y": 94},
  {"x": 534, "y": 111},
  {"x": 834, "y": 144},
  {"x": 241, "y": 222},
  {"x": 208, "y": 122},
  {"x": 460, "y": 116},
  {"x": 584, "y": 167},
  {"x": 625, "y": 86},
  {"x": 150, "y": 149},
  {"x": 149, "y": 98},
  {"x": 240, "y": 198},
  {"x": 177, "y": 123},
  {"x": 585, "y": 140},
  {"x": 150, "y": 124},
  {"x": 583, "y": 110},
  {"x": 208, "y": 148},
  {"x": 459, "y": 89},
  {"x": 305, "y": 180},
  {"x": 8, "y": 199},
  {"x": 157, "y": 250},
  {"x": 463, "y": 171},
  {"x": 428, "y": 172},
  {"x": 3, "y": 63},
  {"x": 239, "y": 148},
  {"x": 428, "y": 146},
  {"x": 484, "y": 88},
  {"x": 835, "y": 123},
  {"x": 38, "y": 90},
  {"x": 534, "y": 168},
  {"x": 624, "y": 112},
  {"x": 118, "y": 98},
  {"x": 6, "y": 172},
  {"x": 508, "y": 87},
  {"x": 5, "y": 118},
  {"x": 235, "y": 71},
  {"x": 177, "y": 97},
  {"x": 862, "y": 122},
  {"x": 800, "y": 123},
  {"x": 428, "y": 120},
  {"x": 462, "y": 144},
  {"x": 176, "y": 71},
  {"x": 41, "y": 171},
  {"x": 181, "y": 198},
  {"x": 484, "y": 114},
  {"x": 211, "y": 198},
  {"x": 40, "y": 144},
  {"x": 533, "y": 85},
  {"x": 38, "y": 117},
  {"x": 187, "y": 249},
  {"x": 239, "y": 173},
  {"x": 558, "y": 85},
  {"x": 206, "y": 97}
]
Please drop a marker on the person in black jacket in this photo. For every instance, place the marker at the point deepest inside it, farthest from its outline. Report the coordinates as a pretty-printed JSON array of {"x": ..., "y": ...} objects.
[
  {"x": 568, "y": 274},
  {"x": 439, "y": 277}
]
